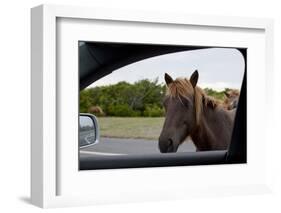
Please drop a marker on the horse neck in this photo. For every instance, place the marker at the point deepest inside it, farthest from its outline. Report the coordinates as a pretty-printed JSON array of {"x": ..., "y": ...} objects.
[{"x": 209, "y": 133}]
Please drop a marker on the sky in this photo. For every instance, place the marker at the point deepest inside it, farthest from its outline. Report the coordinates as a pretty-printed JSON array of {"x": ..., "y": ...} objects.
[{"x": 218, "y": 68}]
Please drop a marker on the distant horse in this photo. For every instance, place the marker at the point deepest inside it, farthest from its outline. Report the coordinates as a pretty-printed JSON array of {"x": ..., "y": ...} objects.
[
  {"x": 190, "y": 112},
  {"x": 96, "y": 110},
  {"x": 232, "y": 98}
]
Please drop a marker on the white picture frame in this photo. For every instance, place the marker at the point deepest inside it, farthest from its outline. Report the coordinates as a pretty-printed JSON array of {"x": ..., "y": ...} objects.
[{"x": 48, "y": 173}]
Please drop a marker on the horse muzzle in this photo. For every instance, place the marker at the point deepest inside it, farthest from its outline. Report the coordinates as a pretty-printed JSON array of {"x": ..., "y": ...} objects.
[{"x": 167, "y": 145}]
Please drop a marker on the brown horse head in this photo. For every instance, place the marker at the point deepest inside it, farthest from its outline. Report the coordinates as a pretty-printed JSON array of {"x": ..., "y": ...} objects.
[
  {"x": 232, "y": 98},
  {"x": 190, "y": 112},
  {"x": 182, "y": 111}
]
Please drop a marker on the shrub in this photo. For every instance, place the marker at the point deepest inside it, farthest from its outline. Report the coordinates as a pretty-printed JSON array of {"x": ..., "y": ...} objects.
[
  {"x": 85, "y": 101},
  {"x": 153, "y": 111},
  {"x": 122, "y": 110}
]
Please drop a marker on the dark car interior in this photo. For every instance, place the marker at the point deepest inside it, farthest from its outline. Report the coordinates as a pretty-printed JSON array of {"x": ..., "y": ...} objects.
[{"x": 97, "y": 60}]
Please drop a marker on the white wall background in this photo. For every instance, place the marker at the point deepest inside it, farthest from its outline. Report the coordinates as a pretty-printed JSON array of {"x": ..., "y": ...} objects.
[{"x": 15, "y": 104}]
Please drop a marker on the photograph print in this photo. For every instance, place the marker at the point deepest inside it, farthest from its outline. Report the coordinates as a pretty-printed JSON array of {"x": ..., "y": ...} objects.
[{"x": 152, "y": 105}]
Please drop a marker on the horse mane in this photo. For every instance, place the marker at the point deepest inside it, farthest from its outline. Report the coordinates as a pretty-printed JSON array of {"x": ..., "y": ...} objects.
[
  {"x": 234, "y": 92},
  {"x": 181, "y": 87}
]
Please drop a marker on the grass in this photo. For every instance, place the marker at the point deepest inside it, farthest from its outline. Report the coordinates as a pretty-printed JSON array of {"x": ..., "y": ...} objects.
[{"x": 131, "y": 127}]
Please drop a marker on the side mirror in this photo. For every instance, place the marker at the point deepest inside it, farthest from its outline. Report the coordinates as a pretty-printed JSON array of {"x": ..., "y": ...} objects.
[{"x": 88, "y": 130}]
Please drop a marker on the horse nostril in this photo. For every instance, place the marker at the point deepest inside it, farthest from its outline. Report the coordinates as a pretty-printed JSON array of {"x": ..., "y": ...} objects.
[
  {"x": 170, "y": 145},
  {"x": 165, "y": 145},
  {"x": 170, "y": 142}
]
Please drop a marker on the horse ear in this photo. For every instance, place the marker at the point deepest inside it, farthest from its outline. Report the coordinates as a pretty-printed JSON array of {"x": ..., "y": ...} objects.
[
  {"x": 194, "y": 78},
  {"x": 227, "y": 94},
  {"x": 168, "y": 79}
]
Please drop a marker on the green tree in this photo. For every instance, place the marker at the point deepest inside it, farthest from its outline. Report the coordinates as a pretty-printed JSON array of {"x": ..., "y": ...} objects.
[
  {"x": 85, "y": 100},
  {"x": 142, "y": 98}
]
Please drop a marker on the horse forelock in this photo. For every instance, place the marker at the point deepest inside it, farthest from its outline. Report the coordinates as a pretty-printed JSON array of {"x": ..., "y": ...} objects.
[{"x": 181, "y": 87}]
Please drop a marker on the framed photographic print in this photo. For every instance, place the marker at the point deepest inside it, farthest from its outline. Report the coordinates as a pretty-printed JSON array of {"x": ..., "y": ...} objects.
[{"x": 147, "y": 105}]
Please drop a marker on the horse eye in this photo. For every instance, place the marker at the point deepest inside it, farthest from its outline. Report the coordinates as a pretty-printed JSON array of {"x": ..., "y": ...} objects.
[{"x": 186, "y": 103}]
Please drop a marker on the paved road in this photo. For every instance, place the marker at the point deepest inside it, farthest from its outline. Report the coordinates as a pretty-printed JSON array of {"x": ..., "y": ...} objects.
[{"x": 115, "y": 147}]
